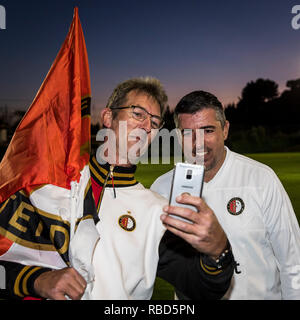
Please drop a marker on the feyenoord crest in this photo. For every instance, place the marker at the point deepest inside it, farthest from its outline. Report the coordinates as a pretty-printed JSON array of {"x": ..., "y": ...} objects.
[
  {"x": 235, "y": 206},
  {"x": 127, "y": 222}
]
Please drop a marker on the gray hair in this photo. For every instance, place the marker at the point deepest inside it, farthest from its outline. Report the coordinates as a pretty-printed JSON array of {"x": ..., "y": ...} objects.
[{"x": 148, "y": 85}]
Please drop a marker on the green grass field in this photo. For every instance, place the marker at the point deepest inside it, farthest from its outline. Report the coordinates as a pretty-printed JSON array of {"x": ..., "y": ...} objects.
[{"x": 286, "y": 166}]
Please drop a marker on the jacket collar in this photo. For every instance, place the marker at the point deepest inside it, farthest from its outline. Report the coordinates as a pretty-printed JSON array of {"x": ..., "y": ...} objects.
[{"x": 122, "y": 176}]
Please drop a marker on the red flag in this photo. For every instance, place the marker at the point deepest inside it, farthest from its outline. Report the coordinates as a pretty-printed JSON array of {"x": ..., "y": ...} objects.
[{"x": 51, "y": 144}]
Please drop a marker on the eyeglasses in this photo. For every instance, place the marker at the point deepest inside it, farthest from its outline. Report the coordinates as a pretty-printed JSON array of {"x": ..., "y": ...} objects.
[{"x": 141, "y": 114}]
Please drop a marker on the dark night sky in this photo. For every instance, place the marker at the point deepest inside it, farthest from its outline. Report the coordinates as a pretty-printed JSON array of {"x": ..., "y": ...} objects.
[{"x": 216, "y": 46}]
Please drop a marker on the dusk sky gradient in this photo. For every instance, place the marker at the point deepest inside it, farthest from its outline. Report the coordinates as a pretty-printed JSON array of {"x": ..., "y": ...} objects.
[{"x": 217, "y": 46}]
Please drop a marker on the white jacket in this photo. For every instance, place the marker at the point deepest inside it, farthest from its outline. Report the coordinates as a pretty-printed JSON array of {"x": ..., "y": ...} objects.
[{"x": 258, "y": 218}]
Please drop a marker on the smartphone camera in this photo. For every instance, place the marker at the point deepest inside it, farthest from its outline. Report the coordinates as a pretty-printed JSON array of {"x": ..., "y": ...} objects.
[{"x": 189, "y": 174}]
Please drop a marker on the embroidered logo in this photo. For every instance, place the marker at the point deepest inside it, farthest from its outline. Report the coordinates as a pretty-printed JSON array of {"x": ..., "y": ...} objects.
[
  {"x": 235, "y": 206},
  {"x": 127, "y": 222}
]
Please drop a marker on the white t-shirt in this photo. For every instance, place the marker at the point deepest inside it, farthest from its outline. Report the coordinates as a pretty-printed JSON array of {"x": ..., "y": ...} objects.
[{"x": 258, "y": 218}]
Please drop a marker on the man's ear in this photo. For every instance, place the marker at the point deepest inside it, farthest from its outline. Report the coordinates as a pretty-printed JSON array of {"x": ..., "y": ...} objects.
[
  {"x": 226, "y": 129},
  {"x": 106, "y": 117}
]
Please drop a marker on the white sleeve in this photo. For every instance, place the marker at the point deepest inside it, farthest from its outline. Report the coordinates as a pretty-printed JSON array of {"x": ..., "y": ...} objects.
[
  {"x": 162, "y": 186},
  {"x": 156, "y": 187},
  {"x": 284, "y": 234}
]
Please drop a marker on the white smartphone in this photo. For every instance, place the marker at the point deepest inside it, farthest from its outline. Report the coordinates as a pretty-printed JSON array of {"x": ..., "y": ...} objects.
[{"x": 187, "y": 178}]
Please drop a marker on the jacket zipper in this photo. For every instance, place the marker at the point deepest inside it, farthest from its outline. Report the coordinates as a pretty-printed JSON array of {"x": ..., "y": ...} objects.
[{"x": 109, "y": 175}]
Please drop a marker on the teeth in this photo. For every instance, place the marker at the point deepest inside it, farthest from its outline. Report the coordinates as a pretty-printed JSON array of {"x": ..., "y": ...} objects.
[{"x": 201, "y": 154}]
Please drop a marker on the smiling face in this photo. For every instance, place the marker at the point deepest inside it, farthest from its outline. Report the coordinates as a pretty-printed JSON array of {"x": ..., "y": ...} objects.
[
  {"x": 214, "y": 137},
  {"x": 124, "y": 120}
]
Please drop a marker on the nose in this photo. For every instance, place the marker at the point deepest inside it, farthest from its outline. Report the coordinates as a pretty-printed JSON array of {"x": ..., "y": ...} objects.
[
  {"x": 146, "y": 124},
  {"x": 198, "y": 140}
]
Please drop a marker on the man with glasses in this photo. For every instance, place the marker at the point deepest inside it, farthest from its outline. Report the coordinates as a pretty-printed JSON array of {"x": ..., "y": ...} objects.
[{"x": 134, "y": 245}]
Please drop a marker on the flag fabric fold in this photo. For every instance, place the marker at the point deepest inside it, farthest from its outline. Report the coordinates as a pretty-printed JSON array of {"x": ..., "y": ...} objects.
[{"x": 51, "y": 143}]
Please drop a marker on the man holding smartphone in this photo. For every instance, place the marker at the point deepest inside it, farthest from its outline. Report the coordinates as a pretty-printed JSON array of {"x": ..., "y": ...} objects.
[
  {"x": 134, "y": 245},
  {"x": 249, "y": 201}
]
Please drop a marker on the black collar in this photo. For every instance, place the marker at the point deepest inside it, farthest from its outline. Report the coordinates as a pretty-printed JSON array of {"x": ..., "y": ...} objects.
[{"x": 122, "y": 176}]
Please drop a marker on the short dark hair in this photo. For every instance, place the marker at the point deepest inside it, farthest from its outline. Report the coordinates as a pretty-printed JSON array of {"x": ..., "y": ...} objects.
[{"x": 197, "y": 101}]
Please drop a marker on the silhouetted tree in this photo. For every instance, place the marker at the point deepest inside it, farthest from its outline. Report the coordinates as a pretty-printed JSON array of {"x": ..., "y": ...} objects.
[
  {"x": 232, "y": 113},
  {"x": 262, "y": 90},
  {"x": 15, "y": 118},
  {"x": 288, "y": 104},
  {"x": 263, "y": 121},
  {"x": 293, "y": 84},
  {"x": 95, "y": 128},
  {"x": 169, "y": 119},
  {"x": 255, "y": 97}
]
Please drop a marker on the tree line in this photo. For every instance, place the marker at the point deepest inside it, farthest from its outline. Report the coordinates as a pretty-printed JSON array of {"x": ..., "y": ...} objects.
[
  {"x": 262, "y": 120},
  {"x": 261, "y": 105}
]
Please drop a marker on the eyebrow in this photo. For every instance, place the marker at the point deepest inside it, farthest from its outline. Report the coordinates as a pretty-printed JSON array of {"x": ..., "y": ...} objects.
[
  {"x": 208, "y": 127},
  {"x": 204, "y": 127}
]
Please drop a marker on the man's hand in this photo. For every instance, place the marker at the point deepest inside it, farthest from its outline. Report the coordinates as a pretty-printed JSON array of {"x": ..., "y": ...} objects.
[
  {"x": 58, "y": 284},
  {"x": 205, "y": 234}
]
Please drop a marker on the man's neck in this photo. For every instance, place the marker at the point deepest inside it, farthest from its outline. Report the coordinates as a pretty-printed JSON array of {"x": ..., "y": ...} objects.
[
  {"x": 126, "y": 165},
  {"x": 119, "y": 161}
]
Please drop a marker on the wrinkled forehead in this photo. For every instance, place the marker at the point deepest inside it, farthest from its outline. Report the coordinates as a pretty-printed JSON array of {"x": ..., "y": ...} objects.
[
  {"x": 143, "y": 99},
  {"x": 138, "y": 94}
]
